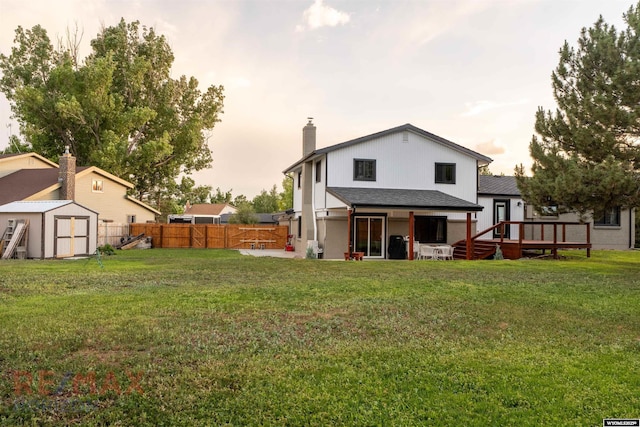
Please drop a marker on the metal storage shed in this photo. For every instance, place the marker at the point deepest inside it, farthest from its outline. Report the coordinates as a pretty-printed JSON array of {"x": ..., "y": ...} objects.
[{"x": 57, "y": 228}]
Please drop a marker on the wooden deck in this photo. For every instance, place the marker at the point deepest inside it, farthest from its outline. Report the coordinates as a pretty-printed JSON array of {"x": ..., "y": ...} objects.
[
  {"x": 551, "y": 236},
  {"x": 515, "y": 249}
]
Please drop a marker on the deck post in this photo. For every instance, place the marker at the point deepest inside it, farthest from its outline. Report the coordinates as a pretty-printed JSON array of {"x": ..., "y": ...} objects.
[
  {"x": 411, "y": 235},
  {"x": 555, "y": 241},
  {"x": 469, "y": 242}
]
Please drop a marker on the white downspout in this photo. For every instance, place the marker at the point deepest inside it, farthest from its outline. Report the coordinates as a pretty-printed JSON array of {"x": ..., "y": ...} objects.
[{"x": 313, "y": 204}]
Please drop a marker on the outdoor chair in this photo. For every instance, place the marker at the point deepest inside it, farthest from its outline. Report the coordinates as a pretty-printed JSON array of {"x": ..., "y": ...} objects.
[
  {"x": 427, "y": 252},
  {"x": 446, "y": 252}
]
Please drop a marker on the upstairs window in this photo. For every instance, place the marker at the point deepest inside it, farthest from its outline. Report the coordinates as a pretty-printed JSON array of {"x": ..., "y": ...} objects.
[
  {"x": 299, "y": 179},
  {"x": 364, "y": 170},
  {"x": 318, "y": 171},
  {"x": 97, "y": 186},
  {"x": 608, "y": 217},
  {"x": 445, "y": 173}
]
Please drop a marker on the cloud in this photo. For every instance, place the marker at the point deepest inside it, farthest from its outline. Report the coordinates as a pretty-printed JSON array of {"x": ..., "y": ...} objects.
[
  {"x": 489, "y": 148},
  {"x": 433, "y": 19},
  {"x": 318, "y": 15},
  {"x": 478, "y": 107}
]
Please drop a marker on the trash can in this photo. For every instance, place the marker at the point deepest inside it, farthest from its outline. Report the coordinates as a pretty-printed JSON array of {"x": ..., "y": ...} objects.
[{"x": 397, "y": 248}]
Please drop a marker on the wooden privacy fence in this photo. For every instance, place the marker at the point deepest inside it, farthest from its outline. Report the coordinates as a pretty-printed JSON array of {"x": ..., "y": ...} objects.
[{"x": 214, "y": 236}]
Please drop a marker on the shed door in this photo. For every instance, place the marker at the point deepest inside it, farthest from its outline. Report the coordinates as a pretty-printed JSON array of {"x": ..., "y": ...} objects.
[{"x": 71, "y": 236}]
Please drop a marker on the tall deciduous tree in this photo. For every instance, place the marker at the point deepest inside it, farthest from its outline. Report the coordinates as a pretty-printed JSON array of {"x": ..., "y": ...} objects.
[
  {"x": 119, "y": 109},
  {"x": 586, "y": 156},
  {"x": 266, "y": 202},
  {"x": 285, "y": 199}
]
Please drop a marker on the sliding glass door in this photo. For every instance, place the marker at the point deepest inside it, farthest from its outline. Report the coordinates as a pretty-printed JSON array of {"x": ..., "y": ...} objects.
[{"x": 369, "y": 236}]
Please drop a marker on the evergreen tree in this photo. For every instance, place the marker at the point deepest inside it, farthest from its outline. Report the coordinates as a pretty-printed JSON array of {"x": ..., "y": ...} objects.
[{"x": 586, "y": 156}]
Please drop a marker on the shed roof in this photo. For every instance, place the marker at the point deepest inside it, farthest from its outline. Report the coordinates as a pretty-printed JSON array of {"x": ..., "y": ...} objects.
[
  {"x": 402, "y": 199},
  {"x": 34, "y": 206}
]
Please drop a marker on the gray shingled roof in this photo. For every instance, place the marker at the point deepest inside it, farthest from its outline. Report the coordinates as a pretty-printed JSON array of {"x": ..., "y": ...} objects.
[
  {"x": 405, "y": 127},
  {"x": 498, "y": 185},
  {"x": 27, "y": 182},
  {"x": 399, "y": 198}
]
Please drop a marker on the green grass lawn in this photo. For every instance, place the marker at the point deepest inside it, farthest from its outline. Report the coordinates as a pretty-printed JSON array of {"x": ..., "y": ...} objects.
[{"x": 208, "y": 337}]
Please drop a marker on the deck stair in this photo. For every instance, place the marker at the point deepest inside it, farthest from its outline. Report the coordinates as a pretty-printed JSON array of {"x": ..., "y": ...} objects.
[{"x": 481, "y": 249}]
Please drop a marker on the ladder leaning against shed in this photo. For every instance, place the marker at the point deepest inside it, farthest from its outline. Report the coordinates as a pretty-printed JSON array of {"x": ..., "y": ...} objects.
[{"x": 15, "y": 234}]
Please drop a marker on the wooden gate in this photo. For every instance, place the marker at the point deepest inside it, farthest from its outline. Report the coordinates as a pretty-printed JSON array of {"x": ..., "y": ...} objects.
[{"x": 242, "y": 236}]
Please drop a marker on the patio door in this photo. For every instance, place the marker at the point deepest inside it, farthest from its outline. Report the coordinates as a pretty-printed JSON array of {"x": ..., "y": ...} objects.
[
  {"x": 369, "y": 236},
  {"x": 501, "y": 213}
]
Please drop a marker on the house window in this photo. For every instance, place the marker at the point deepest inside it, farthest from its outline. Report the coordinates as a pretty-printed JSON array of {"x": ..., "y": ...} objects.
[
  {"x": 96, "y": 186},
  {"x": 445, "y": 173},
  {"x": 430, "y": 229},
  {"x": 299, "y": 179},
  {"x": 318, "y": 171},
  {"x": 608, "y": 217},
  {"x": 549, "y": 211},
  {"x": 364, "y": 170},
  {"x": 299, "y": 227}
]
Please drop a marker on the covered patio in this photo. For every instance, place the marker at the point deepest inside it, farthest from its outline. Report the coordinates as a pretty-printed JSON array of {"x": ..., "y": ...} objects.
[{"x": 374, "y": 215}]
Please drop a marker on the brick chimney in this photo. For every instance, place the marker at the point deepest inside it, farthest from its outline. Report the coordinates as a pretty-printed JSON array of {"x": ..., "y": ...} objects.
[
  {"x": 67, "y": 175},
  {"x": 308, "y": 138}
]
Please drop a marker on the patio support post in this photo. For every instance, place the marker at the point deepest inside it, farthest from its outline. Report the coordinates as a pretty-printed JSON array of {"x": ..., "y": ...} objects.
[
  {"x": 469, "y": 243},
  {"x": 349, "y": 213},
  {"x": 411, "y": 234}
]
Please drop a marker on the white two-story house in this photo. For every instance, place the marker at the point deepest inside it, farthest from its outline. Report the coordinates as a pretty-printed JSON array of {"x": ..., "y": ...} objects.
[{"x": 359, "y": 195}]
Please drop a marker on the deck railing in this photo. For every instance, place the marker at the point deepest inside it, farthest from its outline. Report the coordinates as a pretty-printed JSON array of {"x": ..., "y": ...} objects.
[{"x": 554, "y": 242}]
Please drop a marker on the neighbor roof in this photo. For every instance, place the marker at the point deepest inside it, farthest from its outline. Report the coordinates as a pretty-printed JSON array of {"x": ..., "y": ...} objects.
[
  {"x": 36, "y": 155},
  {"x": 27, "y": 182},
  {"x": 400, "y": 198},
  {"x": 497, "y": 185},
  {"x": 206, "y": 209},
  {"x": 406, "y": 127}
]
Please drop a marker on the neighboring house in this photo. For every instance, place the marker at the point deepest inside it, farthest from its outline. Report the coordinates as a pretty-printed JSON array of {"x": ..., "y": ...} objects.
[
  {"x": 30, "y": 177},
  {"x": 501, "y": 199},
  {"x": 202, "y": 213},
  {"x": 263, "y": 218},
  {"x": 209, "y": 209},
  {"x": 404, "y": 181}
]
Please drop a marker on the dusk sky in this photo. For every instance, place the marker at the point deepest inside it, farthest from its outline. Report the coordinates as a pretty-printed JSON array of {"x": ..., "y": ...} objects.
[{"x": 473, "y": 72}]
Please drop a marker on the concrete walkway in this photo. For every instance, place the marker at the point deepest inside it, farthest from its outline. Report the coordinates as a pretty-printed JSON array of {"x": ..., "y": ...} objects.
[{"x": 275, "y": 253}]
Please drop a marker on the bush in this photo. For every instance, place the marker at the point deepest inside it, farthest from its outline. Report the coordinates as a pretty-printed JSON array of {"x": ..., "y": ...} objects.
[{"x": 106, "y": 249}]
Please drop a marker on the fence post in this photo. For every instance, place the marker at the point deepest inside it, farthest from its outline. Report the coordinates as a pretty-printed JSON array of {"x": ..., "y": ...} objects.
[{"x": 588, "y": 239}]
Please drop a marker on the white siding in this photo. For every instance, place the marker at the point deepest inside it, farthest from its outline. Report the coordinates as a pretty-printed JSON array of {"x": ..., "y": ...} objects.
[
  {"x": 485, "y": 218},
  {"x": 405, "y": 165},
  {"x": 319, "y": 190},
  {"x": 297, "y": 191}
]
